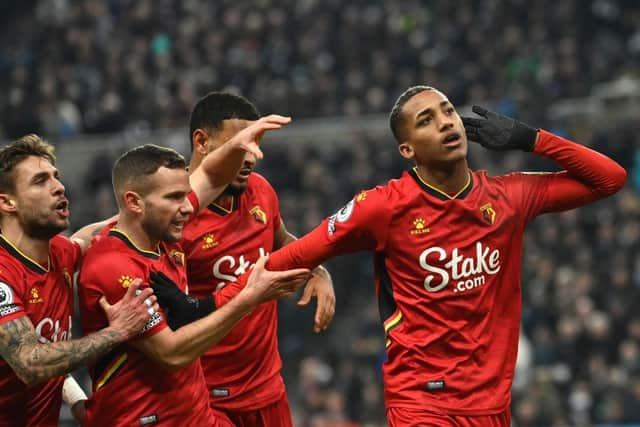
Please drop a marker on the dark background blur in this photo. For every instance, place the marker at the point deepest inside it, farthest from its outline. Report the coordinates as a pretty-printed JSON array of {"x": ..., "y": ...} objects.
[{"x": 99, "y": 76}]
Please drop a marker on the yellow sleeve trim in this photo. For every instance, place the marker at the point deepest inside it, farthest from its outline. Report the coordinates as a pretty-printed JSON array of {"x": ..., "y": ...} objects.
[{"x": 107, "y": 376}]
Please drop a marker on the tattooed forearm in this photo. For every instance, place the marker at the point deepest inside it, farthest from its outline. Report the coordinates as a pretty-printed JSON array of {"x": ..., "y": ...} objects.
[{"x": 34, "y": 362}]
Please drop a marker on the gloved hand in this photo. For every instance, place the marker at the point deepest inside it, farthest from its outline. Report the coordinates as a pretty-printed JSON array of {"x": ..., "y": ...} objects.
[
  {"x": 179, "y": 307},
  {"x": 497, "y": 132}
]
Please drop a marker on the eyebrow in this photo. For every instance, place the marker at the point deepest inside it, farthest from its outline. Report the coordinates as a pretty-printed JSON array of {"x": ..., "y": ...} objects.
[
  {"x": 429, "y": 110},
  {"x": 39, "y": 175},
  {"x": 177, "y": 193}
]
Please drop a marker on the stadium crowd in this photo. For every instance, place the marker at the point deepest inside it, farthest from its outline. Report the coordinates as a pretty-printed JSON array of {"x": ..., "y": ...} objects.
[{"x": 107, "y": 66}]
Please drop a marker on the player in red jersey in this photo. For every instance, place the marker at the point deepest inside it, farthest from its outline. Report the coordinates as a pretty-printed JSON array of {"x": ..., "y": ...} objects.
[
  {"x": 36, "y": 289},
  {"x": 447, "y": 243},
  {"x": 230, "y": 235},
  {"x": 156, "y": 379}
]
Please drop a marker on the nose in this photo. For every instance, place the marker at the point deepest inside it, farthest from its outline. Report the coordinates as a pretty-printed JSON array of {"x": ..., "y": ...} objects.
[
  {"x": 58, "y": 187},
  {"x": 186, "y": 208},
  {"x": 444, "y": 122},
  {"x": 250, "y": 159}
]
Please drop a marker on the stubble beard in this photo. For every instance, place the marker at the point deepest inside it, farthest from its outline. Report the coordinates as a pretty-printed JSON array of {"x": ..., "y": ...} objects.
[
  {"x": 156, "y": 231},
  {"x": 41, "y": 228}
]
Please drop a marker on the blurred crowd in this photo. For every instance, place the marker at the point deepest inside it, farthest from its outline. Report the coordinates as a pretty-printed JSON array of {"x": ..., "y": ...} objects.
[
  {"x": 101, "y": 66},
  {"x": 92, "y": 66}
]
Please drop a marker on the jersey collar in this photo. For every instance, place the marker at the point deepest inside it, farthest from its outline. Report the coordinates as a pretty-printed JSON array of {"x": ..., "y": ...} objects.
[
  {"x": 220, "y": 210},
  {"x": 23, "y": 258},
  {"x": 439, "y": 193},
  {"x": 127, "y": 241}
]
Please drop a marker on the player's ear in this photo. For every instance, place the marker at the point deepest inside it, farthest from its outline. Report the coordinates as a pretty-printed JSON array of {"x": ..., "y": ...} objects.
[
  {"x": 199, "y": 139},
  {"x": 7, "y": 203},
  {"x": 406, "y": 150},
  {"x": 133, "y": 202}
]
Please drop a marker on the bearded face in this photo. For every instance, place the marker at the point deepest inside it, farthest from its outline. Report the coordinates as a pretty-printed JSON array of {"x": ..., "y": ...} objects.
[
  {"x": 166, "y": 207},
  {"x": 41, "y": 208}
]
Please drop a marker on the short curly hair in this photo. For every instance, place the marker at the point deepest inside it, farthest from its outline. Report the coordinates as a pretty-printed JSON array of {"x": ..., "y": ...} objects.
[{"x": 16, "y": 152}]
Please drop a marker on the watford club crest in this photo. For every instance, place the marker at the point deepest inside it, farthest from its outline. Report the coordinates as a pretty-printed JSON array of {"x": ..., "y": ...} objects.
[
  {"x": 177, "y": 257},
  {"x": 488, "y": 213},
  {"x": 125, "y": 281},
  {"x": 258, "y": 214}
]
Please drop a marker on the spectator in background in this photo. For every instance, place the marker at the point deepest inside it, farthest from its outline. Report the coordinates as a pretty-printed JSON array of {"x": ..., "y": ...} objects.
[{"x": 109, "y": 66}]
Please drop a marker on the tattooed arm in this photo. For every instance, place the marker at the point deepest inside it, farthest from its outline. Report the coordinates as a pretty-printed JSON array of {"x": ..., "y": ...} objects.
[{"x": 34, "y": 362}]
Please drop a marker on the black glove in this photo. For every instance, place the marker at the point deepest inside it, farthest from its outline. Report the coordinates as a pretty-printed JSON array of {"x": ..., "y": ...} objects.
[
  {"x": 498, "y": 132},
  {"x": 179, "y": 307}
]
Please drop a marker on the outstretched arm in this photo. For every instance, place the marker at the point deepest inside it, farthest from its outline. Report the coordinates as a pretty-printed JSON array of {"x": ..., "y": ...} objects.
[
  {"x": 176, "y": 349},
  {"x": 362, "y": 224}
]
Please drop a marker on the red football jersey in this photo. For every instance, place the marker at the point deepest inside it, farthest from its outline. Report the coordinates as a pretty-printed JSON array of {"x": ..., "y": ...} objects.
[
  {"x": 448, "y": 272},
  {"x": 128, "y": 387},
  {"x": 221, "y": 243},
  {"x": 447, "y": 280},
  {"x": 45, "y": 295}
]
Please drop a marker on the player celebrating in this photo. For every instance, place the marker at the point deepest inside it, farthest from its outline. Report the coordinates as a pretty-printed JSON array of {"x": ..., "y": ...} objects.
[
  {"x": 447, "y": 242},
  {"x": 156, "y": 378},
  {"x": 243, "y": 370},
  {"x": 36, "y": 289}
]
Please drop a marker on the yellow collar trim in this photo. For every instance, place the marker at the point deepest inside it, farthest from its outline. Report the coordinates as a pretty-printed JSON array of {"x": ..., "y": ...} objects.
[
  {"x": 445, "y": 194},
  {"x": 27, "y": 257},
  {"x": 126, "y": 236},
  {"x": 223, "y": 208}
]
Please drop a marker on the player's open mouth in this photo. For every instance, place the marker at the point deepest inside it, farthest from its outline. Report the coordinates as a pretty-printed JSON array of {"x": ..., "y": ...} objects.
[
  {"x": 244, "y": 173},
  {"x": 179, "y": 225},
  {"x": 62, "y": 208},
  {"x": 452, "y": 140}
]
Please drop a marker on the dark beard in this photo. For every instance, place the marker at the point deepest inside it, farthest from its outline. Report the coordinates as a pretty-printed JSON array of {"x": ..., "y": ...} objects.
[
  {"x": 233, "y": 191},
  {"x": 40, "y": 231}
]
